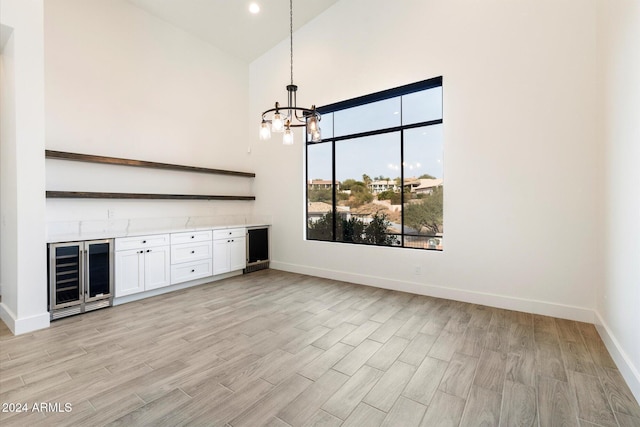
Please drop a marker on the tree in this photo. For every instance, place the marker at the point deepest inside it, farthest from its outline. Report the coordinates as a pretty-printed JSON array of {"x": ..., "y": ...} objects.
[
  {"x": 427, "y": 214},
  {"x": 390, "y": 195},
  {"x": 360, "y": 196},
  {"x": 376, "y": 231},
  {"x": 322, "y": 229},
  {"x": 341, "y": 195},
  {"x": 348, "y": 183},
  {"x": 320, "y": 195},
  {"x": 426, "y": 176},
  {"x": 366, "y": 179},
  {"x": 352, "y": 230}
]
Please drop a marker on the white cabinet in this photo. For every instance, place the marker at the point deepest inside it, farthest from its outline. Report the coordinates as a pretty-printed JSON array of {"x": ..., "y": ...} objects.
[
  {"x": 191, "y": 256},
  {"x": 150, "y": 262},
  {"x": 156, "y": 267},
  {"x": 238, "y": 253},
  {"x": 229, "y": 250},
  {"x": 142, "y": 264}
]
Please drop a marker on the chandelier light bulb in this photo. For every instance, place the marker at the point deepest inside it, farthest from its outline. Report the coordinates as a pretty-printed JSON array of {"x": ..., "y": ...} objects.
[
  {"x": 265, "y": 132},
  {"x": 277, "y": 124},
  {"x": 316, "y": 135},
  {"x": 312, "y": 124},
  {"x": 287, "y": 138}
]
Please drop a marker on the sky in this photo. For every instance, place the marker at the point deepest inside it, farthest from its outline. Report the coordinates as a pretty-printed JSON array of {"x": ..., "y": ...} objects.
[{"x": 379, "y": 155}]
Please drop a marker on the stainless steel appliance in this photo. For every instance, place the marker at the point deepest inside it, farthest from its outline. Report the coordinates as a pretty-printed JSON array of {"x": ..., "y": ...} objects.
[
  {"x": 80, "y": 277},
  {"x": 257, "y": 249}
]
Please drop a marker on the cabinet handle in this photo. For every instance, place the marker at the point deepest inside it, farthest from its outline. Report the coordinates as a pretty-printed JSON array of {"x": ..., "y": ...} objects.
[
  {"x": 148, "y": 250},
  {"x": 141, "y": 252},
  {"x": 193, "y": 271},
  {"x": 144, "y": 241},
  {"x": 193, "y": 252},
  {"x": 193, "y": 237}
]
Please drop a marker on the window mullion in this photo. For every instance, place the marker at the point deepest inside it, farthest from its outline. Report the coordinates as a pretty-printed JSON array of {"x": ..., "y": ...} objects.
[
  {"x": 334, "y": 201},
  {"x": 401, "y": 186}
]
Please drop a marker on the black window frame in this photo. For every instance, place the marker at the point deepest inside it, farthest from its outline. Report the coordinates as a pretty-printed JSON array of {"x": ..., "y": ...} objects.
[{"x": 356, "y": 102}]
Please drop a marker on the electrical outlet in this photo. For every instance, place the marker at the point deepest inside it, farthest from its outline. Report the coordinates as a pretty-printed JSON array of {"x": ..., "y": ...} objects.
[
  {"x": 110, "y": 213},
  {"x": 417, "y": 270}
]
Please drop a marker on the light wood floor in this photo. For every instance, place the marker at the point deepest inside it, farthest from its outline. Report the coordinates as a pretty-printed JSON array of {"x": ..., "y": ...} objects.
[{"x": 280, "y": 349}]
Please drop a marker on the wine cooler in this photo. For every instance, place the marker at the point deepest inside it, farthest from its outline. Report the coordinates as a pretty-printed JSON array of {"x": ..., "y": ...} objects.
[
  {"x": 257, "y": 249},
  {"x": 80, "y": 277}
]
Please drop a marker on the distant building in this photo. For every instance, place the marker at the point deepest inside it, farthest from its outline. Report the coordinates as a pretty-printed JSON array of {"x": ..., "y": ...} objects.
[
  {"x": 316, "y": 210},
  {"x": 321, "y": 184},
  {"x": 383, "y": 185},
  {"x": 423, "y": 186}
]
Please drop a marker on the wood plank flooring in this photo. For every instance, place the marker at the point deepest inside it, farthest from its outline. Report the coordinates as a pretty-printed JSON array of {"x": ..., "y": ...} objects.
[{"x": 280, "y": 349}]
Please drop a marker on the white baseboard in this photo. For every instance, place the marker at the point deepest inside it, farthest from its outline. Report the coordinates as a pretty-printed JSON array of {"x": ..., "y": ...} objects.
[
  {"x": 23, "y": 325},
  {"x": 500, "y": 301},
  {"x": 629, "y": 371}
]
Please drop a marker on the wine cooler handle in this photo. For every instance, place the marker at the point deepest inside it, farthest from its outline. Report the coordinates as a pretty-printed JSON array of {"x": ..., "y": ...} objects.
[{"x": 85, "y": 265}]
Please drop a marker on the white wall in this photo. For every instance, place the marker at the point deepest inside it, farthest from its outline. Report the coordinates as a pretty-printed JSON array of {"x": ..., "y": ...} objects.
[
  {"x": 523, "y": 227},
  {"x": 8, "y": 187},
  {"x": 619, "y": 294},
  {"x": 123, "y": 83},
  {"x": 23, "y": 249}
]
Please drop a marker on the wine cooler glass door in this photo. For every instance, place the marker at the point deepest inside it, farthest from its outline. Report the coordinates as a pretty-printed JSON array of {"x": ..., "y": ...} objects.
[
  {"x": 66, "y": 275},
  {"x": 98, "y": 269}
]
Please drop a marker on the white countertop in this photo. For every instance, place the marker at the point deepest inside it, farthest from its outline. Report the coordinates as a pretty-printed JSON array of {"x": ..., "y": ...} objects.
[{"x": 71, "y": 231}]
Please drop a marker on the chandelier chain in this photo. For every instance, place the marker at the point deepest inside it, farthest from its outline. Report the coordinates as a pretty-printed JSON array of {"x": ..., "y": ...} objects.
[
  {"x": 291, "y": 37},
  {"x": 282, "y": 118}
]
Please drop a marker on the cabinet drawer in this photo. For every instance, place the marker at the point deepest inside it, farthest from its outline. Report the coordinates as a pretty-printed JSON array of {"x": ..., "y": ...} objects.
[
  {"x": 229, "y": 233},
  {"x": 187, "y": 252},
  {"x": 140, "y": 242},
  {"x": 191, "y": 271},
  {"x": 195, "y": 236}
]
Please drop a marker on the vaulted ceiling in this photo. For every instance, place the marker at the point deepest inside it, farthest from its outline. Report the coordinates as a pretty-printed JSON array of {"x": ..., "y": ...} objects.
[{"x": 228, "y": 24}]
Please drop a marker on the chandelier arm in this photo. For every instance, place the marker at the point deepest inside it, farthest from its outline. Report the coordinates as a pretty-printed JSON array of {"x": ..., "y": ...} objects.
[
  {"x": 304, "y": 116},
  {"x": 305, "y": 111}
]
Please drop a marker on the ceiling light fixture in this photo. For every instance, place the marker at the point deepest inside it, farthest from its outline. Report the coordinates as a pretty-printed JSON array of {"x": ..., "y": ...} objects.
[
  {"x": 282, "y": 119},
  {"x": 254, "y": 8}
]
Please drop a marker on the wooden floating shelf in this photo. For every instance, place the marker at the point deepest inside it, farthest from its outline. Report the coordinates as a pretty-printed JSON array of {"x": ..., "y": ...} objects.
[
  {"x": 63, "y": 155},
  {"x": 97, "y": 195}
]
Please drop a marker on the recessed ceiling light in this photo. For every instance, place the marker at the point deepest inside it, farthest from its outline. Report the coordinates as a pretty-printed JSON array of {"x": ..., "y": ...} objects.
[{"x": 254, "y": 8}]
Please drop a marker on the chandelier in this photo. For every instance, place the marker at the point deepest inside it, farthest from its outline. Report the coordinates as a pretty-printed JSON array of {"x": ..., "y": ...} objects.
[{"x": 282, "y": 119}]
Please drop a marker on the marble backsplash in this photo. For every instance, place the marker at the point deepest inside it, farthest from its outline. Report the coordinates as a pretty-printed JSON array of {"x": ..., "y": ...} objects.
[{"x": 61, "y": 231}]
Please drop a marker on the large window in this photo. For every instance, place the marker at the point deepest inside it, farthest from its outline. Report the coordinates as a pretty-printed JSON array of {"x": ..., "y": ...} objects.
[{"x": 376, "y": 177}]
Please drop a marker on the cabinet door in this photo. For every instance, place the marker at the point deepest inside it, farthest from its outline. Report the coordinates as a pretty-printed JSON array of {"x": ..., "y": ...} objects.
[
  {"x": 237, "y": 253},
  {"x": 129, "y": 272},
  {"x": 221, "y": 256},
  {"x": 156, "y": 267}
]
